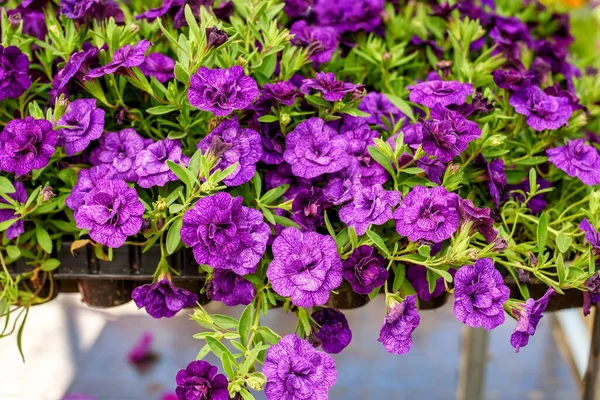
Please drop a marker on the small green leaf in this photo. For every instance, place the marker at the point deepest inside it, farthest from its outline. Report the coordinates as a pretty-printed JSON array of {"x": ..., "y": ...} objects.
[
  {"x": 257, "y": 182},
  {"x": 268, "y": 118},
  {"x": 43, "y": 239},
  {"x": 6, "y": 224},
  {"x": 532, "y": 179},
  {"x": 180, "y": 173},
  {"x": 6, "y": 186},
  {"x": 399, "y": 276},
  {"x": 378, "y": 242},
  {"x": 50, "y": 265},
  {"x": 402, "y": 105},
  {"x": 425, "y": 251},
  {"x": 328, "y": 225},
  {"x": 274, "y": 194},
  {"x": 283, "y": 221},
  {"x": 174, "y": 236},
  {"x": 245, "y": 324},
  {"x": 444, "y": 274},
  {"x": 375, "y": 292},
  {"x": 563, "y": 242},
  {"x": 560, "y": 268},
  {"x": 13, "y": 251},
  {"x": 225, "y": 321},
  {"x": 246, "y": 395},
  {"x": 431, "y": 280},
  {"x": 268, "y": 334},
  {"x": 304, "y": 321},
  {"x": 160, "y": 110},
  {"x": 217, "y": 347},
  {"x": 203, "y": 352},
  {"x": 381, "y": 160},
  {"x": 353, "y": 237},
  {"x": 542, "y": 232}
]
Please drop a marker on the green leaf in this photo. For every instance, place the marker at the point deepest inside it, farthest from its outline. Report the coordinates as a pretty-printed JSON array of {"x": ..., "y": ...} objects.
[
  {"x": 425, "y": 251},
  {"x": 532, "y": 179},
  {"x": 250, "y": 359},
  {"x": 180, "y": 172},
  {"x": 560, "y": 268},
  {"x": 6, "y": 186},
  {"x": 381, "y": 160},
  {"x": 174, "y": 236},
  {"x": 246, "y": 395},
  {"x": 399, "y": 276},
  {"x": 353, "y": 237},
  {"x": 245, "y": 324},
  {"x": 43, "y": 239},
  {"x": 316, "y": 100},
  {"x": 542, "y": 232},
  {"x": 50, "y": 264},
  {"x": 304, "y": 321},
  {"x": 203, "y": 352},
  {"x": 268, "y": 334},
  {"x": 402, "y": 105},
  {"x": 328, "y": 225},
  {"x": 378, "y": 242},
  {"x": 268, "y": 118},
  {"x": 431, "y": 280},
  {"x": 160, "y": 110},
  {"x": 269, "y": 216},
  {"x": 532, "y": 161},
  {"x": 283, "y": 221},
  {"x": 225, "y": 321},
  {"x": 269, "y": 63},
  {"x": 274, "y": 194},
  {"x": 13, "y": 251},
  {"x": 444, "y": 274},
  {"x": 217, "y": 347},
  {"x": 563, "y": 242},
  {"x": 375, "y": 292}
]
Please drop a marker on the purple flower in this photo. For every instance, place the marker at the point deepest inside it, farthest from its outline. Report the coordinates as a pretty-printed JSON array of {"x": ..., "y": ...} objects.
[
  {"x": 427, "y": 213},
  {"x": 34, "y": 21},
  {"x": 86, "y": 181},
  {"x": 514, "y": 77},
  {"x": 119, "y": 150},
  {"x": 360, "y": 137},
  {"x": 83, "y": 123},
  {"x": 176, "y": 9},
  {"x": 339, "y": 187},
  {"x": 479, "y": 295},
  {"x": 313, "y": 149},
  {"x": 577, "y": 160},
  {"x": 272, "y": 142},
  {"x": 230, "y": 288},
  {"x": 417, "y": 276},
  {"x": 76, "y": 67},
  {"x": 351, "y": 15},
  {"x": 321, "y": 41},
  {"x": 26, "y": 144},
  {"x": 326, "y": 83},
  {"x": 111, "y": 211},
  {"x": 479, "y": 217},
  {"x": 496, "y": 178},
  {"x": 305, "y": 267},
  {"x": 151, "y": 163},
  {"x": 371, "y": 205},
  {"x": 365, "y": 270},
  {"x": 448, "y": 133},
  {"x": 398, "y": 326},
  {"x": 282, "y": 92},
  {"x": 141, "y": 350},
  {"x": 298, "y": 8},
  {"x": 14, "y": 72},
  {"x": 282, "y": 175},
  {"x": 307, "y": 208},
  {"x": 380, "y": 108},
  {"x": 221, "y": 91},
  {"x": 542, "y": 110},
  {"x": 440, "y": 92},
  {"x": 529, "y": 316},
  {"x": 591, "y": 234},
  {"x": 17, "y": 227},
  {"x": 592, "y": 295},
  {"x": 159, "y": 66},
  {"x": 125, "y": 57},
  {"x": 234, "y": 144},
  {"x": 507, "y": 33},
  {"x": 224, "y": 234},
  {"x": 86, "y": 10},
  {"x": 434, "y": 169},
  {"x": 200, "y": 381},
  {"x": 215, "y": 37},
  {"x": 478, "y": 105},
  {"x": 162, "y": 299},
  {"x": 295, "y": 370},
  {"x": 332, "y": 332}
]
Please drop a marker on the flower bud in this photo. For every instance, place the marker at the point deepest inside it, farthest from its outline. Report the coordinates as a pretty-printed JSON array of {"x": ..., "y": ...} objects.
[
  {"x": 215, "y": 37},
  {"x": 46, "y": 194},
  {"x": 160, "y": 205},
  {"x": 285, "y": 119},
  {"x": 15, "y": 20}
]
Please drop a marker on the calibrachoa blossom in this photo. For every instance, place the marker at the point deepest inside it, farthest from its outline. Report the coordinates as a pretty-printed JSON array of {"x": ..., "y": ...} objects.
[
  {"x": 282, "y": 92},
  {"x": 542, "y": 110},
  {"x": 159, "y": 66},
  {"x": 234, "y": 144},
  {"x": 320, "y": 41},
  {"x": 200, "y": 381},
  {"x": 125, "y": 57},
  {"x": 295, "y": 370},
  {"x": 230, "y": 288},
  {"x": 360, "y": 137},
  {"x": 313, "y": 149},
  {"x": 111, "y": 211},
  {"x": 578, "y": 160},
  {"x": 151, "y": 163},
  {"x": 82, "y": 122},
  {"x": 365, "y": 269},
  {"x": 332, "y": 332},
  {"x": 14, "y": 72},
  {"x": 380, "y": 107},
  {"x": 307, "y": 208},
  {"x": 221, "y": 91},
  {"x": 328, "y": 85},
  {"x": 87, "y": 179},
  {"x": 26, "y": 144},
  {"x": 591, "y": 234},
  {"x": 86, "y": 10},
  {"x": 479, "y": 295},
  {"x": 370, "y": 206},
  {"x": 306, "y": 267},
  {"x": 6, "y": 214},
  {"x": 427, "y": 213},
  {"x": 351, "y": 15},
  {"x": 447, "y": 133},
  {"x": 440, "y": 92},
  {"x": 479, "y": 218},
  {"x": 119, "y": 151},
  {"x": 76, "y": 67},
  {"x": 162, "y": 299},
  {"x": 224, "y": 234},
  {"x": 528, "y": 317},
  {"x": 397, "y": 327}
]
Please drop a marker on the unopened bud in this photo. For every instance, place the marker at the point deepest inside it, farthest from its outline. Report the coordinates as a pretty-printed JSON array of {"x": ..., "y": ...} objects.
[
  {"x": 46, "y": 194},
  {"x": 285, "y": 119},
  {"x": 15, "y": 20},
  {"x": 215, "y": 37}
]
